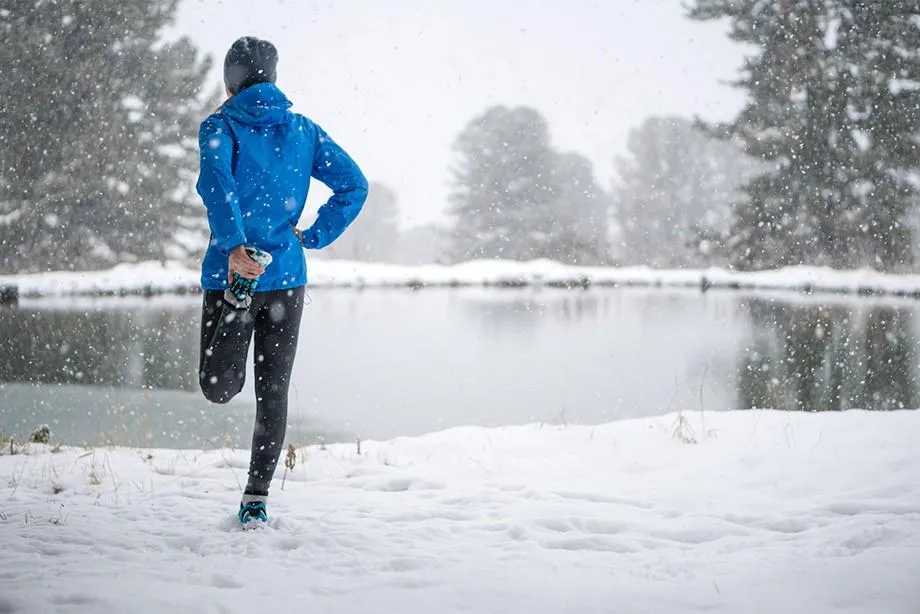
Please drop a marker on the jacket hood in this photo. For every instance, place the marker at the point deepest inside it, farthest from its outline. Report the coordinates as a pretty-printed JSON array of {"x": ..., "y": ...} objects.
[{"x": 262, "y": 104}]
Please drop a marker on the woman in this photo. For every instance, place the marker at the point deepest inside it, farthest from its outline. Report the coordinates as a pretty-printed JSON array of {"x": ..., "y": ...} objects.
[{"x": 257, "y": 158}]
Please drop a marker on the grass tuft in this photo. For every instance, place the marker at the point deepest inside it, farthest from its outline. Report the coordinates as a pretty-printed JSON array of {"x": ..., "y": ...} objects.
[
  {"x": 682, "y": 431},
  {"x": 6, "y": 444}
]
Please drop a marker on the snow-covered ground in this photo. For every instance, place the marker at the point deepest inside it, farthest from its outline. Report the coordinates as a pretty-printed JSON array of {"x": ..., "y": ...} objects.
[
  {"x": 767, "y": 512},
  {"x": 157, "y": 278}
]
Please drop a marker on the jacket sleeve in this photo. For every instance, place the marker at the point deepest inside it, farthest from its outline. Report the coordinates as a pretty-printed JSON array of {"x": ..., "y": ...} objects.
[
  {"x": 217, "y": 186},
  {"x": 341, "y": 174}
]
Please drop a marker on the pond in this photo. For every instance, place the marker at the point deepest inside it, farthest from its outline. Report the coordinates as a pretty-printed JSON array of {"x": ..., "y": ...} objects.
[{"x": 388, "y": 362}]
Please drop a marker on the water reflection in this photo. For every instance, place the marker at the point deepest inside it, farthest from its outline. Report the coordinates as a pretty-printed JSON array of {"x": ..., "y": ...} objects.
[
  {"x": 135, "y": 348},
  {"x": 503, "y": 311},
  {"x": 829, "y": 357},
  {"x": 118, "y": 372}
]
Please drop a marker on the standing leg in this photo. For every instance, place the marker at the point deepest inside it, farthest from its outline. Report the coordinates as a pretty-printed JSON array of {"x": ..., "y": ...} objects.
[
  {"x": 225, "y": 337},
  {"x": 276, "y": 333}
]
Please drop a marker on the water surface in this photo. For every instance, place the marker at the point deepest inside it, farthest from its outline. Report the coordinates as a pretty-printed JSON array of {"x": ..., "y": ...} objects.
[{"x": 384, "y": 363}]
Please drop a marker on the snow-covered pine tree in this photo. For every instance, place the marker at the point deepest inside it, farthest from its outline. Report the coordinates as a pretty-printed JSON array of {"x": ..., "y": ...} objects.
[
  {"x": 514, "y": 197},
  {"x": 97, "y": 133},
  {"x": 834, "y": 100},
  {"x": 674, "y": 189},
  {"x": 582, "y": 211},
  {"x": 501, "y": 195}
]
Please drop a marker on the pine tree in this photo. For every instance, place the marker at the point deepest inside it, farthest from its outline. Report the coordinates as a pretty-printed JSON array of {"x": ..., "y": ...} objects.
[
  {"x": 501, "y": 193},
  {"x": 515, "y": 197},
  {"x": 582, "y": 210},
  {"x": 97, "y": 134},
  {"x": 674, "y": 189},
  {"x": 834, "y": 101}
]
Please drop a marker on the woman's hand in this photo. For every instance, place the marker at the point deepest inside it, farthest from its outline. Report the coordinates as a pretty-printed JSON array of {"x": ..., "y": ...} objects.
[
  {"x": 299, "y": 233},
  {"x": 240, "y": 262}
]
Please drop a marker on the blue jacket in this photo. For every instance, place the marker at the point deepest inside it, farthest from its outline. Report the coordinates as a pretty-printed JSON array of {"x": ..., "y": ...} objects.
[{"x": 257, "y": 158}]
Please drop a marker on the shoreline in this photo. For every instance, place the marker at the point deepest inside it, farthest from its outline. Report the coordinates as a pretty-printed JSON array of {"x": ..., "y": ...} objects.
[{"x": 150, "y": 279}]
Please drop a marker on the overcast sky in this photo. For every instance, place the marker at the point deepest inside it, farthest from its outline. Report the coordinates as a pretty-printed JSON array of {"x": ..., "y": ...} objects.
[{"x": 395, "y": 81}]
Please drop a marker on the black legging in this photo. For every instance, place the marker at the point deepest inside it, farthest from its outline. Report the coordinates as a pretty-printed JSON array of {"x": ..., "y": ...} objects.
[{"x": 225, "y": 335}]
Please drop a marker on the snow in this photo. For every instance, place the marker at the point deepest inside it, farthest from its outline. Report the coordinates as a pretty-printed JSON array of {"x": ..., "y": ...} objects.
[
  {"x": 172, "y": 277},
  {"x": 768, "y": 512}
]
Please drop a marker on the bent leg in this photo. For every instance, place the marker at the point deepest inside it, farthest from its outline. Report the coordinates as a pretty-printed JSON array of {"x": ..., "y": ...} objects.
[
  {"x": 276, "y": 334},
  {"x": 225, "y": 337}
]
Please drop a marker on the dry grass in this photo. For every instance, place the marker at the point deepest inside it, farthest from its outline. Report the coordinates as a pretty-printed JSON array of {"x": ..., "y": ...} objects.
[
  {"x": 682, "y": 431},
  {"x": 7, "y": 444},
  {"x": 290, "y": 461}
]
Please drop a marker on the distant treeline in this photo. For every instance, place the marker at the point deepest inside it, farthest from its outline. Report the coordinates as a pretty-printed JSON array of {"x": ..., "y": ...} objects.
[{"x": 98, "y": 153}]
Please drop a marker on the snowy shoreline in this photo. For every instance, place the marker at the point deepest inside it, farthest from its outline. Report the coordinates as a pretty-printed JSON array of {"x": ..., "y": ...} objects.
[
  {"x": 768, "y": 511},
  {"x": 154, "y": 278}
]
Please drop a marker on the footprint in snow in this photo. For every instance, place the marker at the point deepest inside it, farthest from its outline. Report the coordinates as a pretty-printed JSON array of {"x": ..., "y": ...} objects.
[{"x": 225, "y": 581}]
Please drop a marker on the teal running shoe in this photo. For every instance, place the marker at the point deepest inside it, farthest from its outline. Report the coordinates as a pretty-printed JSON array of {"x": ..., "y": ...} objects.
[{"x": 253, "y": 514}]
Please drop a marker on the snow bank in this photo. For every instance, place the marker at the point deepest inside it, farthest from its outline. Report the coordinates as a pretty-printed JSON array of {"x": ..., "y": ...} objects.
[
  {"x": 142, "y": 278},
  {"x": 158, "y": 278},
  {"x": 767, "y": 512}
]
